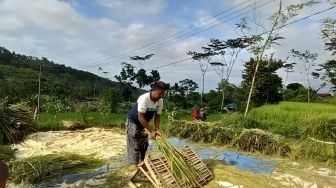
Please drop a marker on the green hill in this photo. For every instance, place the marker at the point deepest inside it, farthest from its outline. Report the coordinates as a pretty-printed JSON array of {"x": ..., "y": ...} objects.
[{"x": 19, "y": 79}]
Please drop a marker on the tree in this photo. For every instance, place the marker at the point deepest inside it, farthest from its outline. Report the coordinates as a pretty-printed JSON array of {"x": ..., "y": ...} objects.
[
  {"x": 182, "y": 93},
  {"x": 188, "y": 86},
  {"x": 297, "y": 92},
  {"x": 228, "y": 52},
  {"x": 278, "y": 21},
  {"x": 203, "y": 60},
  {"x": 327, "y": 73},
  {"x": 307, "y": 59},
  {"x": 155, "y": 76},
  {"x": 329, "y": 34},
  {"x": 141, "y": 60},
  {"x": 141, "y": 78},
  {"x": 267, "y": 83},
  {"x": 127, "y": 74},
  {"x": 294, "y": 86},
  {"x": 288, "y": 68}
]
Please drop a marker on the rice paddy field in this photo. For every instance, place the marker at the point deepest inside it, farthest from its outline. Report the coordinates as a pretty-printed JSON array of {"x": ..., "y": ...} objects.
[
  {"x": 294, "y": 120},
  {"x": 299, "y": 137}
]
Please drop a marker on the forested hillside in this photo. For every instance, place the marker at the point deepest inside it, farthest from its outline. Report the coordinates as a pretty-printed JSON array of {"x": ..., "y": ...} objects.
[{"x": 19, "y": 78}]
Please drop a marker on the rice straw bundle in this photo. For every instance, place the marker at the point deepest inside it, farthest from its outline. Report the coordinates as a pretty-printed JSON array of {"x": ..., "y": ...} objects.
[
  {"x": 181, "y": 169},
  {"x": 49, "y": 167},
  {"x": 257, "y": 140}
]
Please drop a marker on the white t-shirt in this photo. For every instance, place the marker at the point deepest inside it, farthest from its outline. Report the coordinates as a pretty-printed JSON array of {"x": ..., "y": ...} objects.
[{"x": 145, "y": 104}]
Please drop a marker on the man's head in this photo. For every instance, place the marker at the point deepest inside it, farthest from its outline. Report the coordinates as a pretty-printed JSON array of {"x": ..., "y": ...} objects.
[{"x": 158, "y": 90}]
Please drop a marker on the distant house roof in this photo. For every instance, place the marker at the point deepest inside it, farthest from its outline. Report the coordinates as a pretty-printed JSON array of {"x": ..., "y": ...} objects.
[{"x": 323, "y": 95}]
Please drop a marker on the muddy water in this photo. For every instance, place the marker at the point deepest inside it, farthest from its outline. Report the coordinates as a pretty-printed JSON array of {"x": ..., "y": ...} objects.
[{"x": 230, "y": 169}]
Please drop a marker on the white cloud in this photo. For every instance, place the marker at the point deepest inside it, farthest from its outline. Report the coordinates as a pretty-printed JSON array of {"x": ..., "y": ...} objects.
[
  {"x": 56, "y": 30},
  {"x": 51, "y": 14},
  {"x": 134, "y": 7}
]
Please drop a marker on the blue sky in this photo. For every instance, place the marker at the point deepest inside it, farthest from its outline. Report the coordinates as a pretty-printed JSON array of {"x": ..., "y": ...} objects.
[{"x": 86, "y": 34}]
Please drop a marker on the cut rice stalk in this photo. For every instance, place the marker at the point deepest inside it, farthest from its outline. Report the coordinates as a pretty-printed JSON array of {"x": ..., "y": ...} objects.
[{"x": 181, "y": 169}]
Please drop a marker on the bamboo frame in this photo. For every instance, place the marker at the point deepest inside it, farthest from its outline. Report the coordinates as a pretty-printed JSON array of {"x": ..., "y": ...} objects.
[{"x": 157, "y": 171}]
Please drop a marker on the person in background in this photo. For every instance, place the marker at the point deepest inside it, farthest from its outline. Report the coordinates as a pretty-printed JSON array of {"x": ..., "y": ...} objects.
[
  {"x": 148, "y": 105},
  {"x": 4, "y": 174}
]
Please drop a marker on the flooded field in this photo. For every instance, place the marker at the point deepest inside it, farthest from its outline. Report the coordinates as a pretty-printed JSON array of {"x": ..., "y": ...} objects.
[{"x": 230, "y": 169}]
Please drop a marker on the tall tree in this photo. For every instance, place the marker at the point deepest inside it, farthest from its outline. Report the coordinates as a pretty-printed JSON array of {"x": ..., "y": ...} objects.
[
  {"x": 180, "y": 93},
  {"x": 188, "y": 86},
  {"x": 288, "y": 69},
  {"x": 278, "y": 21},
  {"x": 142, "y": 78},
  {"x": 203, "y": 59},
  {"x": 155, "y": 76},
  {"x": 329, "y": 68},
  {"x": 329, "y": 34},
  {"x": 327, "y": 73},
  {"x": 308, "y": 60},
  {"x": 228, "y": 52},
  {"x": 267, "y": 82},
  {"x": 127, "y": 74},
  {"x": 141, "y": 60}
]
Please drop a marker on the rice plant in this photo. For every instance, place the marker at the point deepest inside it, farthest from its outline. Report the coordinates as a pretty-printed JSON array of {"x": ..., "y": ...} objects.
[
  {"x": 317, "y": 150},
  {"x": 225, "y": 135},
  {"x": 325, "y": 130},
  {"x": 290, "y": 119},
  {"x": 181, "y": 169},
  {"x": 256, "y": 140}
]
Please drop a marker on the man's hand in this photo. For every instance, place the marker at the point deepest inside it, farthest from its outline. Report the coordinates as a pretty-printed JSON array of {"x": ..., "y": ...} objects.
[
  {"x": 153, "y": 134},
  {"x": 158, "y": 133}
]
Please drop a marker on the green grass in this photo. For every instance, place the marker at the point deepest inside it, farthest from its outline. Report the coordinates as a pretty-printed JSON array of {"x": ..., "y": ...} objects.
[
  {"x": 331, "y": 100},
  {"x": 227, "y": 119},
  {"x": 92, "y": 117},
  {"x": 48, "y": 122},
  {"x": 6, "y": 153},
  {"x": 290, "y": 119}
]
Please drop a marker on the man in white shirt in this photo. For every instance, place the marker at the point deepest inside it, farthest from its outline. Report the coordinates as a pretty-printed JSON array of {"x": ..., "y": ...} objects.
[{"x": 148, "y": 105}]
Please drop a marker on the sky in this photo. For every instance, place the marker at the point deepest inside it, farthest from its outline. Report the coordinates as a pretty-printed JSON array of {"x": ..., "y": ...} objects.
[{"x": 88, "y": 34}]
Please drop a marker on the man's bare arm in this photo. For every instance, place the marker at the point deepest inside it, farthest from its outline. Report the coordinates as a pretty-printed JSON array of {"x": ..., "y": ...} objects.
[{"x": 157, "y": 121}]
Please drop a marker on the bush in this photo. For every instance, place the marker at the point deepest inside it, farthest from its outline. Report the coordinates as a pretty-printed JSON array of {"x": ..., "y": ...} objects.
[
  {"x": 83, "y": 109},
  {"x": 124, "y": 107}
]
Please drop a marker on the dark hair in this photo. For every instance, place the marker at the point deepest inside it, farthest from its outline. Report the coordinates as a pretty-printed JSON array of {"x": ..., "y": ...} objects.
[{"x": 160, "y": 85}]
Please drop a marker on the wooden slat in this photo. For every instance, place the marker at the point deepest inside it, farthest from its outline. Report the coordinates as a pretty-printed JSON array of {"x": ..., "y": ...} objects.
[
  {"x": 159, "y": 172},
  {"x": 194, "y": 160}
]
